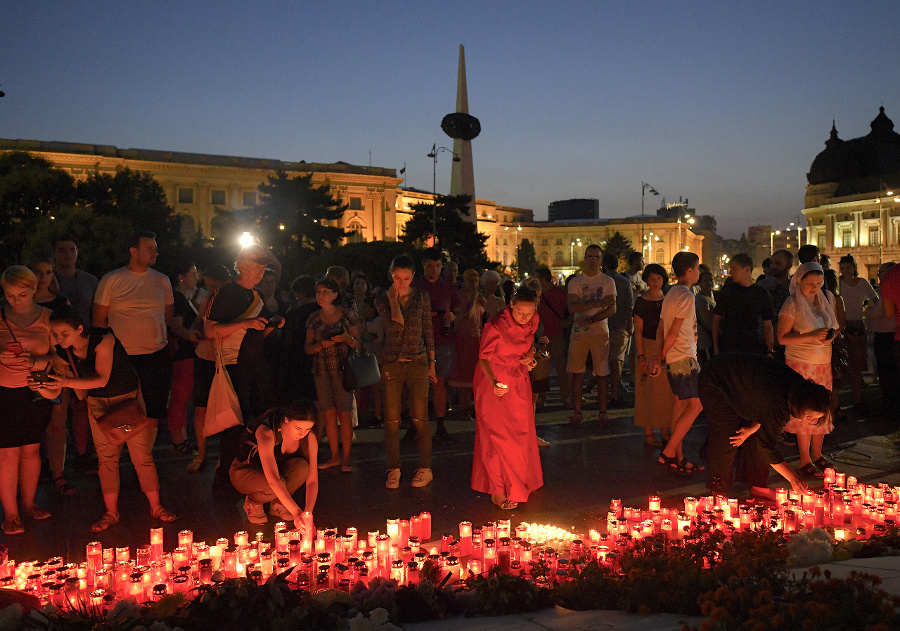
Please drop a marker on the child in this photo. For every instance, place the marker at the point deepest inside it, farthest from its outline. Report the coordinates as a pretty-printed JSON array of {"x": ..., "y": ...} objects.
[{"x": 678, "y": 325}]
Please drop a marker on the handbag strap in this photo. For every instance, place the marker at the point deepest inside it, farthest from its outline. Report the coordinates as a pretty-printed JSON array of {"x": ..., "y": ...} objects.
[
  {"x": 71, "y": 360},
  {"x": 8, "y": 326}
]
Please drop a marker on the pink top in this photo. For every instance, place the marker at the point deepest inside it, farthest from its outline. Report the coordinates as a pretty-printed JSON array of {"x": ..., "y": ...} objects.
[{"x": 34, "y": 338}]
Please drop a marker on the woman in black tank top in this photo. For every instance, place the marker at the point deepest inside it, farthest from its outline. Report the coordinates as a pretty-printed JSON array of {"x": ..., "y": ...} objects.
[
  {"x": 105, "y": 377},
  {"x": 278, "y": 455}
]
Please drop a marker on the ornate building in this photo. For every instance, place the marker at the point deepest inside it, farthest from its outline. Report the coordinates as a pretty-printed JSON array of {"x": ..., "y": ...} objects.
[
  {"x": 853, "y": 196},
  {"x": 197, "y": 184}
]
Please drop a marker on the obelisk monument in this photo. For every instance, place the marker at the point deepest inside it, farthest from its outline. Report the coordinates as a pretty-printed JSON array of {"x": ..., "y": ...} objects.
[{"x": 462, "y": 179}]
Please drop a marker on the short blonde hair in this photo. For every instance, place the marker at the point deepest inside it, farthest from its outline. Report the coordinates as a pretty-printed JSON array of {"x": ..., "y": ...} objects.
[{"x": 18, "y": 275}]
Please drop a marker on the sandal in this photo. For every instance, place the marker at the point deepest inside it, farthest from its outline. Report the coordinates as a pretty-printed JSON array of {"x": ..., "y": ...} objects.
[
  {"x": 38, "y": 513},
  {"x": 690, "y": 467},
  {"x": 822, "y": 464},
  {"x": 108, "y": 519},
  {"x": 576, "y": 420},
  {"x": 163, "y": 515},
  {"x": 673, "y": 465},
  {"x": 63, "y": 487},
  {"x": 183, "y": 448},
  {"x": 503, "y": 504},
  {"x": 809, "y": 471},
  {"x": 13, "y": 526}
]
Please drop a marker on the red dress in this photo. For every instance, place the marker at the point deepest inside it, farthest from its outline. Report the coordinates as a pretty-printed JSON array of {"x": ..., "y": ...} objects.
[{"x": 506, "y": 460}]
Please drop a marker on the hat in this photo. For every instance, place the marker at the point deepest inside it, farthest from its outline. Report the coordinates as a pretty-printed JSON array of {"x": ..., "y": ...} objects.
[{"x": 257, "y": 254}]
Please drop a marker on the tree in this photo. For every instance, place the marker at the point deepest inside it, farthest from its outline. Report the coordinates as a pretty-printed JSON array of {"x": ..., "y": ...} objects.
[
  {"x": 619, "y": 246},
  {"x": 456, "y": 236},
  {"x": 526, "y": 259},
  {"x": 136, "y": 197},
  {"x": 294, "y": 217},
  {"x": 30, "y": 189}
]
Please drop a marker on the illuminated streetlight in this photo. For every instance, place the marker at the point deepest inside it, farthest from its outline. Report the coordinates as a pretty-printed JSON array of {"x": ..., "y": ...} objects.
[
  {"x": 653, "y": 191},
  {"x": 772, "y": 234},
  {"x": 246, "y": 239},
  {"x": 516, "y": 232},
  {"x": 435, "y": 150},
  {"x": 572, "y": 250}
]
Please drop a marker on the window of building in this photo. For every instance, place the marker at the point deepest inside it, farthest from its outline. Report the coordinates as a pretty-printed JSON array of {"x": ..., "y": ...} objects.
[
  {"x": 356, "y": 203},
  {"x": 249, "y": 198},
  {"x": 356, "y": 232},
  {"x": 559, "y": 242},
  {"x": 545, "y": 256},
  {"x": 185, "y": 196},
  {"x": 661, "y": 256},
  {"x": 846, "y": 237},
  {"x": 505, "y": 242},
  {"x": 820, "y": 240},
  {"x": 874, "y": 235},
  {"x": 588, "y": 241},
  {"x": 545, "y": 241},
  {"x": 218, "y": 198},
  {"x": 559, "y": 257}
]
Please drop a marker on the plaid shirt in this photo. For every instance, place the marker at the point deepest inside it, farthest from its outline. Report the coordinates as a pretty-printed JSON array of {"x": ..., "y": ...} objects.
[
  {"x": 414, "y": 339},
  {"x": 330, "y": 361}
]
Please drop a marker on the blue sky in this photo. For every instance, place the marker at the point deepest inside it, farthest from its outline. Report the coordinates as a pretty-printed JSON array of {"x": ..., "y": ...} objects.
[{"x": 726, "y": 104}]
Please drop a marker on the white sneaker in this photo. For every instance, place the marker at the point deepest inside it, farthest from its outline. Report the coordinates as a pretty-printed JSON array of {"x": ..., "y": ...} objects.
[
  {"x": 256, "y": 512},
  {"x": 422, "y": 478},
  {"x": 542, "y": 443},
  {"x": 393, "y": 479}
]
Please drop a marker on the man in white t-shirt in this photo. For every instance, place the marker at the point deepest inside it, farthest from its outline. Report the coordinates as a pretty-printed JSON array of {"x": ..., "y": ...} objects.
[
  {"x": 136, "y": 302},
  {"x": 592, "y": 299},
  {"x": 678, "y": 324}
]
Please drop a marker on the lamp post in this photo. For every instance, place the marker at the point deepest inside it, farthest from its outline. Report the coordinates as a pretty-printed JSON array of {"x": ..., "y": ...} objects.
[
  {"x": 516, "y": 232},
  {"x": 772, "y": 234},
  {"x": 653, "y": 191},
  {"x": 433, "y": 155},
  {"x": 688, "y": 220},
  {"x": 572, "y": 251}
]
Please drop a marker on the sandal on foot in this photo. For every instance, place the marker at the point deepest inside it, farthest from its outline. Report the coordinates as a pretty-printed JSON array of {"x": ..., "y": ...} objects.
[
  {"x": 576, "y": 420},
  {"x": 504, "y": 503},
  {"x": 673, "y": 465},
  {"x": 38, "y": 513},
  {"x": 13, "y": 526},
  {"x": 690, "y": 467},
  {"x": 822, "y": 464},
  {"x": 109, "y": 519},
  {"x": 809, "y": 471},
  {"x": 183, "y": 448},
  {"x": 163, "y": 515},
  {"x": 62, "y": 486}
]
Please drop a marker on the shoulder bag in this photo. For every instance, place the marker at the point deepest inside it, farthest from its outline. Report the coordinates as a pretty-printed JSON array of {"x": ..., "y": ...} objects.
[
  {"x": 360, "y": 370},
  {"x": 223, "y": 409}
]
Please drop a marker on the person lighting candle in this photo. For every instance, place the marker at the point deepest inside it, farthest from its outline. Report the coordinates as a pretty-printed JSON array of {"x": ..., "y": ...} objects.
[
  {"x": 506, "y": 463},
  {"x": 278, "y": 455}
]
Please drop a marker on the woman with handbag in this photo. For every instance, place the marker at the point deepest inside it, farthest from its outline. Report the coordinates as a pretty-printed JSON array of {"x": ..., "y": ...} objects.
[
  {"x": 330, "y": 334},
  {"x": 807, "y": 324},
  {"x": 25, "y": 339},
  {"x": 95, "y": 365}
]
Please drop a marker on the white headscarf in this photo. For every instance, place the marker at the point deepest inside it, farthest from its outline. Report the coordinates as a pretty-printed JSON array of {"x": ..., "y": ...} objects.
[{"x": 806, "y": 320}]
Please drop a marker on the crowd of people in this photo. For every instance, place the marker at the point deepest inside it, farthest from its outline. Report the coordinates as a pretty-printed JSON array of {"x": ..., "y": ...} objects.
[{"x": 760, "y": 357}]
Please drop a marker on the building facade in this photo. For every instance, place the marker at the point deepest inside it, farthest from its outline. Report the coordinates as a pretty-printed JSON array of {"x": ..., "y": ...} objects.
[
  {"x": 578, "y": 209},
  {"x": 852, "y": 203}
]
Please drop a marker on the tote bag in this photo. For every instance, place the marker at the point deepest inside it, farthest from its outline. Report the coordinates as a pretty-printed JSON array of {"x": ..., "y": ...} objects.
[
  {"x": 360, "y": 370},
  {"x": 223, "y": 409}
]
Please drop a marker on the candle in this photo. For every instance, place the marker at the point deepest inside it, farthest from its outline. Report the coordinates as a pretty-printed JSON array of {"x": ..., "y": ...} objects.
[
  {"x": 425, "y": 526},
  {"x": 404, "y": 532},
  {"x": 156, "y": 543},
  {"x": 393, "y": 530},
  {"x": 655, "y": 502},
  {"x": 465, "y": 538}
]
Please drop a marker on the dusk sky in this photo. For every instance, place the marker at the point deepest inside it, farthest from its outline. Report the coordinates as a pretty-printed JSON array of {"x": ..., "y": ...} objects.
[{"x": 726, "y": 104}]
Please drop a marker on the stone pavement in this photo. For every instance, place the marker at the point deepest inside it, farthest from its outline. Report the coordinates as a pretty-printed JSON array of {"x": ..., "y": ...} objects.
[{"x": 584, "y": 468}]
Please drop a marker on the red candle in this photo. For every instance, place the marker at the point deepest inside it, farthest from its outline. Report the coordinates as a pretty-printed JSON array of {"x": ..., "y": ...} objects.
[{"x": 425, "y": 534}]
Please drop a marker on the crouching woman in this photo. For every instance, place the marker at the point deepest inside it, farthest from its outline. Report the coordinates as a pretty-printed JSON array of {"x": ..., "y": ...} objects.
[{"x": 278, "y": 455}]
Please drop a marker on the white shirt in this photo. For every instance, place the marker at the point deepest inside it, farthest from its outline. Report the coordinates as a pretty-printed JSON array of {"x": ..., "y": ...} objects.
[
  {"x": 680, "y": 303},
  {"x": 589, "y": 288},
  {"x": 137, "y": 308}
]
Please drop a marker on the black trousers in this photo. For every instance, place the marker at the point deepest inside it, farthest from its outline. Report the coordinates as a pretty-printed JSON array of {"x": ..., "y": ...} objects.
[
  {"x": 722, "y": 422},
  {"x": 154, "y": 372}
]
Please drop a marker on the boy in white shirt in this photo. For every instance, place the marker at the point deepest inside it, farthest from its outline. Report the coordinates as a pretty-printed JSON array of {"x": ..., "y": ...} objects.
[{"x": 678, "y": 325}]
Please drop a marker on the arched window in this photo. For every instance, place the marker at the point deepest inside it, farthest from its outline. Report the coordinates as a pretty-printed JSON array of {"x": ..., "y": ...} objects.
[
  {"x": 661, "y": 256},
  {"x": 545, "y": 258},
  {"x": 355, "y": 228},
  {"x": 559, "y": 257}
]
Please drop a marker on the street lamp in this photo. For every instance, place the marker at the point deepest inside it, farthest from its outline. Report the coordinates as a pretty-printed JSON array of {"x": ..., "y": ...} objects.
[
  {"x": 772, "y": 234},
  {"x": 653, "y": 191},
  {"x": 689, "y": 220},
  {"x": 516, "y": 232},
  {"x": 572, "y": 251},
  {"x": 433, "y": 155}
]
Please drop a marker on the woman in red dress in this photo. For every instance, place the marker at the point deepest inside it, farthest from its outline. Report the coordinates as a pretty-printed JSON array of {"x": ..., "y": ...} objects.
[{"x": 506, "y": 463}]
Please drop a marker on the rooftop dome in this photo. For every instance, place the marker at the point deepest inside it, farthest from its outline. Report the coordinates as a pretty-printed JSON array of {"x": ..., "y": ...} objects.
[{"x": 858, "y": 163}]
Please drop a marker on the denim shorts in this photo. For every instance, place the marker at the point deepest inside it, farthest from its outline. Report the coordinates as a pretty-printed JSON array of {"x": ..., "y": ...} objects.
[{"x": 684, "y": 377}]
